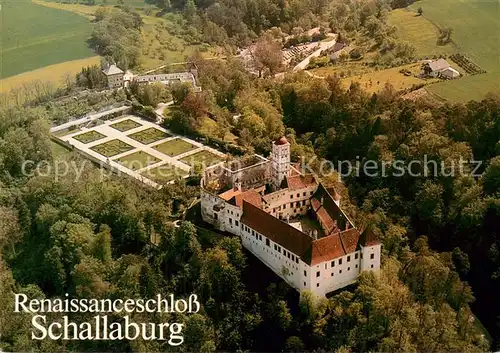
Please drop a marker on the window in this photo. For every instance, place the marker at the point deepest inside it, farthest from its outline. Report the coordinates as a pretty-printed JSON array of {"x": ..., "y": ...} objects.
[
  {"x": 296, "y": 259},
  {"x": 372, "y": 256},
  {"x": 356, "y": 265},
  {"x": 355, "y": 256},
  {"x": 304, "y": 194},
  {"x": 317, "y": 274},
  {"x": 361, "y": 255},
  {"x": 333, "y": 263},
  {"x": 291, "y": 196},
  {"x": 230, "y": 221},
  {"x": 371, "y": 266},
  {"x": 268, "y": 243},
  {"x": 284, "y": 206},
  {"x": 340, "y": 261},
  {"x": 260, "y": 237},
  {"x": 340, "y": 271},
  {"x": 332, "y": 274},
  {"x": 317, "y": 284},
  {"x": 237, "y": 223},
  {"x": 349, "y": 258},
  {"x": 253, "y": 232},
  {"x": 305, "y": 273},
  {"x": 348, "y": 269},
  {"x": 304, "y": 284},
  {"x": 298, "y": 195}
]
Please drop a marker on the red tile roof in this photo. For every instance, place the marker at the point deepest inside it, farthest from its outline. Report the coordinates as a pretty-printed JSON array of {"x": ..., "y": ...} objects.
[
  {"x": 281, "y": 141},
  {"x": 350, "y": 239},
  {"x": 250, "y": 196},
  {"x": 229, "y": 194},
  {"x": 326, "y": 249},
  {"x": 300, "y": 181},
  {"x": 368, "y": 238},
  {"x": 278, "y": 231}
]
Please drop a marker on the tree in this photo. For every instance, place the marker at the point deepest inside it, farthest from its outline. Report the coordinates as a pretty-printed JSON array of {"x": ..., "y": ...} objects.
[{"x": 266, "y": 54}]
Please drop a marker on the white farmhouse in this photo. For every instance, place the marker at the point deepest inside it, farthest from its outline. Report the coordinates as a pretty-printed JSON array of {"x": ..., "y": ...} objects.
[
  {"x": 288, "y": 220},
  {"x": 440, "y": 68}
]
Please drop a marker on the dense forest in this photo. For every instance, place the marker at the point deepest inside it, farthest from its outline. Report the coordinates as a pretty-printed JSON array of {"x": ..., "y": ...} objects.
[
  {"x": 103, "y": 236},
  {"x": 91, "y": 237}
]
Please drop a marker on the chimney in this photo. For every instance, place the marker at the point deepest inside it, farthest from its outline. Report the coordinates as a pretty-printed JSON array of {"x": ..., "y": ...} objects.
[
  {"x": 321, "y": 200},
  {"x": 287, "y": 218},
  {"x": 315, "y": 234}
]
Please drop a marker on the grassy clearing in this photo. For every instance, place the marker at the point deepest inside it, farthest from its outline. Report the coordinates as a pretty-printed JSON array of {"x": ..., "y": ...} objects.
[
  {"x": 420, "y": 32},
  {"x": 112, "y": 148},
  {"x": 164, "y": 173},
  {"x": 475, "y": 25},
  {"x": 374, "y": 81},
  {"x": 56, "y": 74},
  {"x": 125, "y": 125},
  {"x": 89, "y": 136},
  {"x": 174, "y": 147},
  {"x": 137, "y": 160},
  {"x": 148, "y": 136},
  {"x": 205, "y": 158},
  {"x": 31, "y": 31}
]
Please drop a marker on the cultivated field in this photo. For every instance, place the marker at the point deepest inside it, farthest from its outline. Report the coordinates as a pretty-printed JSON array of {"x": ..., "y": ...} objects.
[
  {"x": 55, "y": 74},
  {"x": 35, "y": 36},
  {"x": 475, "y": 25}
]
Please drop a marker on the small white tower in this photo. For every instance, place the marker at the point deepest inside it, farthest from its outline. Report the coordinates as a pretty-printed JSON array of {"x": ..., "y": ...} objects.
[{"x": 280, "y": 157}]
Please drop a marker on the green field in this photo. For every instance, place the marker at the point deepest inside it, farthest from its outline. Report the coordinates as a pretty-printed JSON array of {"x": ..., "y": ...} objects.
[
  {"x": 174, "y": 147},
  {"x": 112, "y": 148},
  {"x": 125, "y": 125},
  {"x": 35, "y": 36},
  {"x": 204, "y": 157},
  {"x": 420, "y": 32},
  {"x": 89, "y": 136},
  {"x": 137, "y": 160},
  {"x": 475, "y": 24},
  {"x": 148, "y": 136},
  {"x": 164, "y": 173}
]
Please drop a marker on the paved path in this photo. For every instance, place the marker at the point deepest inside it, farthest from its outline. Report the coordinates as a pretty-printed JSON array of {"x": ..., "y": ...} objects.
[{"x": 322, "y": 46}]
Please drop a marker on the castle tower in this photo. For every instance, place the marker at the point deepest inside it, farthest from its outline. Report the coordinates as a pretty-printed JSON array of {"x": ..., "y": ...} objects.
[{"x": 280, "y": 157}]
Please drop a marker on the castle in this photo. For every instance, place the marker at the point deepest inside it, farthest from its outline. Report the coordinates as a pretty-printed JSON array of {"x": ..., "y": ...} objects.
[{"x": 288, "y": 220}]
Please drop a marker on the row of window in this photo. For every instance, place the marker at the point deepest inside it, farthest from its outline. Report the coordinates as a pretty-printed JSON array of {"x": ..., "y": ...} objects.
[
  {"x": 277, "y": 248},
  {"x": 303, "y": 194}
]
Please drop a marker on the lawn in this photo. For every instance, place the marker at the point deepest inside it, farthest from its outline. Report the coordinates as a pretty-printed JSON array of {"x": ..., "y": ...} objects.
[
  {"x": 420, "y": 32},
  {"x": 125, "y": 125},
  {"x": 164, "y": 173},
  {"x": 112, "y": 148},
  {"x": 475, "y": 25},
  {"x": 89, "y": 136},
  {"x": 205, "y": 158},
  {"x": 137, "y": 160},
  {"x": 35, "y": 36},
  {"x": 174, "y": 147},
  {"x": 148, "y": 136}
]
